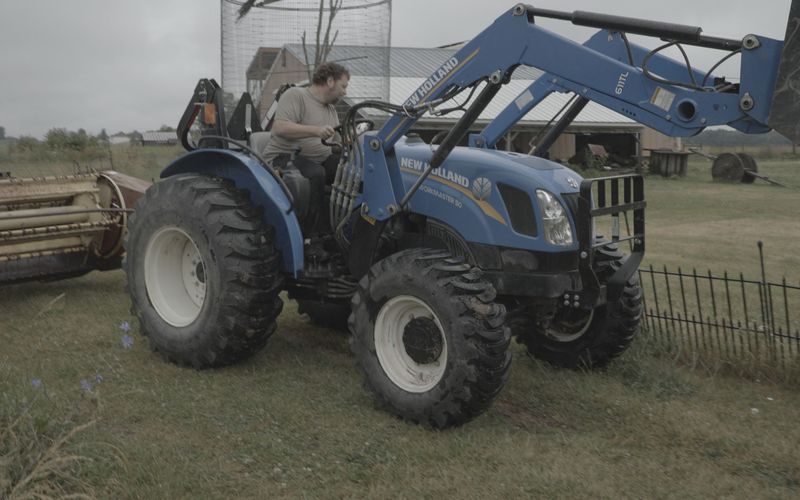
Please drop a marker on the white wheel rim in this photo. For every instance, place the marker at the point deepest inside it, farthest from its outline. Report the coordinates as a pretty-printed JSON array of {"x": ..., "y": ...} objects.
[
  {"x": 561, "y": 336},
  {"x": 175, "y": 276},
  {"x": 390, "y": 325}
]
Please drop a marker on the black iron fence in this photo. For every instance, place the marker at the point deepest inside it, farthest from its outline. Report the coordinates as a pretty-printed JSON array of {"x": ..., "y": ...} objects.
[{"x": 750, "y": 323}]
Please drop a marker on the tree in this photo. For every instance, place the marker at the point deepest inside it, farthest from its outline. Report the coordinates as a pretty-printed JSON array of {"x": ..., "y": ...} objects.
[
  {"x": 80, "y": 140},
  {"x": 2, "y": 133},
  {"x": 166, "y": 128},
  {"x": 103, "y": 136},
  {"x": 322, "y": 48},
  {"x": 60, "y": 139},
  {"x": 27, "y": 143},
  {"x": 322, "y": 43},
  {"x": 57, "y": 138}
]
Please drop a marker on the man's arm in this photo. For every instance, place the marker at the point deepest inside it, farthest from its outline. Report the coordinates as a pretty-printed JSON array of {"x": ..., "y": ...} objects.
[{"x": 293, "y": 131}]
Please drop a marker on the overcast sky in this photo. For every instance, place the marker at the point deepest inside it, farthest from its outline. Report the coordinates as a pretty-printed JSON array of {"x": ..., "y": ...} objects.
[{"x": 125, "y": 65}]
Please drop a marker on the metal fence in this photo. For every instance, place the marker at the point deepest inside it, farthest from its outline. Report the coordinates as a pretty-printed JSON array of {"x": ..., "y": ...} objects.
[{"x": 749, "y": 323}]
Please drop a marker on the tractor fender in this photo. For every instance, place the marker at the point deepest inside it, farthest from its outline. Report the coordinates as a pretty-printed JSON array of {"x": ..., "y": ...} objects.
[{"x": 247, "y": 173}]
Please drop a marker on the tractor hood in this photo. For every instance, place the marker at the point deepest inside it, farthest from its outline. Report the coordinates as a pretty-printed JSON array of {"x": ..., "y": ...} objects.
[
  {"x": 464, "y": 165},
  {"x": 488, "y": 196}
]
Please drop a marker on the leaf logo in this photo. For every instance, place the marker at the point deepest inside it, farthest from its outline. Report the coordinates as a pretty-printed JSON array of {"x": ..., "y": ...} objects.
[{"x": 481, "y": 188}]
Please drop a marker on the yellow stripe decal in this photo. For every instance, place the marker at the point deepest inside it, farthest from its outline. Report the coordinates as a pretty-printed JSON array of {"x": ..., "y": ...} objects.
[
  {"x": 435, "y": 87},
  {"x": 488, "y": 209}
]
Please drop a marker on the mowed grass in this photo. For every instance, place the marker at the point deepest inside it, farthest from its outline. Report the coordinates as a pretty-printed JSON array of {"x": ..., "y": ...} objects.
[
  {"x": 694, "y": 222},
  {"x": 293, "y": 421}
]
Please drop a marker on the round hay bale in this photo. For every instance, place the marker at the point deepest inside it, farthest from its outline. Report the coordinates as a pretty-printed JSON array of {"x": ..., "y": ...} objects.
[{"x": 728, "y": 167}]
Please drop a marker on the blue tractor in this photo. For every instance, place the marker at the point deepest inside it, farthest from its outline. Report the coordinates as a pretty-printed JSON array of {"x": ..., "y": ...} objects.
[{"x": 440, "y": 253}]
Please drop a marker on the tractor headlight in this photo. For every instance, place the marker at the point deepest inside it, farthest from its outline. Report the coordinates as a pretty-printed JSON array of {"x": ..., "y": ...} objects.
[{"x": 557, "y": 230}]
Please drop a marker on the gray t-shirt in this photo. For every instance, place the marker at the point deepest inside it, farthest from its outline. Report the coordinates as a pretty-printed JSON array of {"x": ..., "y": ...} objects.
[{"x": 298, "y": 105}]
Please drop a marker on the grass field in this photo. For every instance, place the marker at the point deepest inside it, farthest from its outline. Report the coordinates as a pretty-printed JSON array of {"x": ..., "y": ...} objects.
[
  {"x": 87, "y": 408},
  {"x": 694, "y": 222}
]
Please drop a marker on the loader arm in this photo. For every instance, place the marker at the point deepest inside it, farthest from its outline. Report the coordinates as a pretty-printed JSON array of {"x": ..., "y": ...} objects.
[{"x": 606, "y": 70}]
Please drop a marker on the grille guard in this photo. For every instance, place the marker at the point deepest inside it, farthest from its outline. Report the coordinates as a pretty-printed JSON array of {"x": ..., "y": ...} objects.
[{"x": 615, "y": 195}]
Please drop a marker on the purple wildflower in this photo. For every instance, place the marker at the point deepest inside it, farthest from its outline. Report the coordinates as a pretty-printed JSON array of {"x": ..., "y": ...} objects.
[
  {"x": 98, "y": 378},
  {"x": 36, "y": 383},
  {"x": 127, "y": 341},
  {"x": 125, "y": 326},
  {"x": 86, "y": 386}
]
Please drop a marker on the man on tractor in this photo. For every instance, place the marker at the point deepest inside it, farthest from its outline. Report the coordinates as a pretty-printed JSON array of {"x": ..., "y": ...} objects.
[{"x": 305, "y": 115}]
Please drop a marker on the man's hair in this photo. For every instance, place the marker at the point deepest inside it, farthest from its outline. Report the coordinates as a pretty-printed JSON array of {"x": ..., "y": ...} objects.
[{"x": 329, "y": 70}]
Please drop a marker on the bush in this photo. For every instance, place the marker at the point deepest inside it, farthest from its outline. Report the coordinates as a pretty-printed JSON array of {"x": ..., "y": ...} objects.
[
  {"x": 27, "y": 144},
  {"x": 61, "y": 139}
]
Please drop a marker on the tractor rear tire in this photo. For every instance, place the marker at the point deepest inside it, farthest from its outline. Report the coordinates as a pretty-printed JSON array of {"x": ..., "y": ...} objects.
[
  {"x": 326, "y": 314},
  {"x": 429, "y": 339},
  {"x": 203, "y": 272},
  {"x": 585, "y": 339}
]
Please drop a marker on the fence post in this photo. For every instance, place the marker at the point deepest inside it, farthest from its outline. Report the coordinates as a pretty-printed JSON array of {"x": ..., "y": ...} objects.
[
  {"x": 731, "y": 346},
  {"x": 683, "y": 299},
  {"x": 655, "y": 300},
  {"x": 758, "y": 348},
  {"x": 713, "y": 294},
  {"x": 786, "y": 307},
  {"x": 741, "y": 340},
  {"x": 744, "y": 301},
  {"x": 669, "y": 299},
  {"x": 728, "y": 295},
  {"x": 762, "y": 287}
]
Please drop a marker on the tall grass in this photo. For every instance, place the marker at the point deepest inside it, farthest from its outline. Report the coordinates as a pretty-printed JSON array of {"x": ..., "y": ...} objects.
[
  {"x": 47, "y": 445},
  {"x": 143, "y": 162}
]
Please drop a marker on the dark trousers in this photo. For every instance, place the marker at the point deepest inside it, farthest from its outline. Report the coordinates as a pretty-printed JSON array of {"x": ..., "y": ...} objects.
[{"x": 319, "y": 176}]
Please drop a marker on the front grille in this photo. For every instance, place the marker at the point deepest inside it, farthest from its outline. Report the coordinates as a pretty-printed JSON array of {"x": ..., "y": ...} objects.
[{"x": 520, "y": 209}]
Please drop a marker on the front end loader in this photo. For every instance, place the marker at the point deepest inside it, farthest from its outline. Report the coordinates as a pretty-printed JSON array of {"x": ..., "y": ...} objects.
[{"x": 440, "y": 252}]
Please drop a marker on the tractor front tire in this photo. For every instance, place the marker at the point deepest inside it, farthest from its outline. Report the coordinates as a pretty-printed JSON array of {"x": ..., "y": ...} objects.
[
  {"x": 585, "y": 339},
  {"x": 429, "y": 339},
  {"x": 203, "y": 272}
]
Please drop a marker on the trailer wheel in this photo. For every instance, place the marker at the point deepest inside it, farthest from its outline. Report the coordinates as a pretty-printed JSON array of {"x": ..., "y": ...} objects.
[
  {"x": 750, "y": 167},
  {"x": 326, "y": 314},
  {"x": 728, "y": 167},
  {"x": 428, "y": 338},
  {"x": 203, "y": 273},
  {"x": 577, "y": 338}
]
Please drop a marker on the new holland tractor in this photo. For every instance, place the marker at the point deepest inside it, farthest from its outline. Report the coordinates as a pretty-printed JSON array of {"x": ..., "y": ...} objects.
[{"x": 440, "y": 253}]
